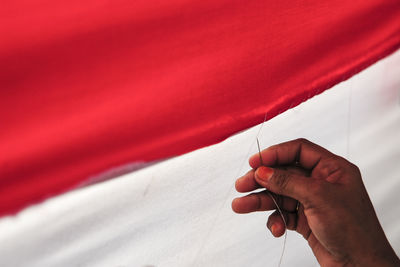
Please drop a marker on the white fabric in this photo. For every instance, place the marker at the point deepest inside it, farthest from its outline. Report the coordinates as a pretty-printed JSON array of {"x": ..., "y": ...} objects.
[{"x": 177, "y": 212}]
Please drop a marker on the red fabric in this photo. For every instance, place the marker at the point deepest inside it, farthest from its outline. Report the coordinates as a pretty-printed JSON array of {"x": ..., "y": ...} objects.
[{"x": 89, "y": 85}]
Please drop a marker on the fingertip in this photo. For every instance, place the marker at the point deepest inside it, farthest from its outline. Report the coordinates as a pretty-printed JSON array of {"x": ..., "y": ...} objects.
[
  {"x": 241, "y": 185},
  {"x": 233, "y": 205},
  {"x": 237, "y": 185},
  {"x": 277, "y": 230},
  {"x": 254, "y": 161},
  {"x": 246, "y": 183},
  {"x": 237, "y": 206}
]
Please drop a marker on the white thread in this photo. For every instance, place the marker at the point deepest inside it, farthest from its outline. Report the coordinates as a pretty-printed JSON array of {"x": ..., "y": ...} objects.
[
  {"x": 226, "y": 197},
  {"x": 228, "y": 193},
  {"x": 277, "y": 206},
  {"x": 284, "y": 222}
]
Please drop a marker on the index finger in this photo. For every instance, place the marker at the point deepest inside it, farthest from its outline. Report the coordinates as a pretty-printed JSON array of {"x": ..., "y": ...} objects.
[{"x": 299, "y": 151}]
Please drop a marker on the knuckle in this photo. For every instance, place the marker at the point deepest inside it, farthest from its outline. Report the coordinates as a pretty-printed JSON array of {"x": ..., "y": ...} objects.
[
  {"x": 257, "y": 202},
  {"x": 355, "y": 168},
  {"x": 339, "y": 166},
  {"x": 302, "y": 140},
  {"x": 329, "y": 166},
  {"x": 355, "y": 173}
]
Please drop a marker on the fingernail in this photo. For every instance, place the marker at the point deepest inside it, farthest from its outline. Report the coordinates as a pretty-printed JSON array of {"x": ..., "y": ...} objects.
[
  {"x": 264, "y": 173},
  {"x": 273, "y": 229}
]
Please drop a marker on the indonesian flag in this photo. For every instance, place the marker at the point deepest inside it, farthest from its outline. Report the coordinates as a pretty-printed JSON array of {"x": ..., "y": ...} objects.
[{"x": 88, "y": 86}]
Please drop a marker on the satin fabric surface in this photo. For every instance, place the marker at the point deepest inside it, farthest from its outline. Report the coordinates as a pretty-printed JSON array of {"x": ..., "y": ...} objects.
[{"x": 87, "y": 86}]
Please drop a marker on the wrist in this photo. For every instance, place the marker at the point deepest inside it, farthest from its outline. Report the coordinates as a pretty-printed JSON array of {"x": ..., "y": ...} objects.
[{"x": 387, "y": 258}]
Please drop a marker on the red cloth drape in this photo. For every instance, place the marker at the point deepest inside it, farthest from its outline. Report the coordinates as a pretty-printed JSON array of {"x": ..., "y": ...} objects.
[{"x": 88, "y": 85}]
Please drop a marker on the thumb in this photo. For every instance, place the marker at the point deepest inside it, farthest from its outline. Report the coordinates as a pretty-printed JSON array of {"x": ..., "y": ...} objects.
[{"x": 285, "y": 183}]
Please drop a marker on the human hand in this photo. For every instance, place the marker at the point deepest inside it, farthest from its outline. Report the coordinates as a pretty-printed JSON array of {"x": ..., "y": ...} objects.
[{"x": 335, "y": 214}]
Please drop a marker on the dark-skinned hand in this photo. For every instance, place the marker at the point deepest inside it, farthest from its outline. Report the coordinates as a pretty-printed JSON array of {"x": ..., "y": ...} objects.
[{"x": 323, "y": 198}]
